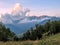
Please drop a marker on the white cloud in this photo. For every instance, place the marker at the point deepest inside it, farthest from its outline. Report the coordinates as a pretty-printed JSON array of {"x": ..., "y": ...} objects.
[
  {"x": 17, "y": 8},
  {"x": 4, "y": 10}
]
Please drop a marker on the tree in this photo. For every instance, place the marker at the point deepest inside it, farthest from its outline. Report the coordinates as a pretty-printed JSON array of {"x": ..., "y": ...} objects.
[
  {"x": 5, "y": 33},
  {"x": 51, "y": 27}
]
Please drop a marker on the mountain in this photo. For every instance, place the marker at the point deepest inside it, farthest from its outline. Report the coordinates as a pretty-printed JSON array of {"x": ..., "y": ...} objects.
[{"x": 20, "y": 24}]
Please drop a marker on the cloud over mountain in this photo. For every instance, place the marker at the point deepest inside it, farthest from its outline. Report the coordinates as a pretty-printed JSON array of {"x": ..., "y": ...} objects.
[
  {"x": 17, "y": 8},
  {"x": 18, "y": 22},
  {"x": 16, "y": 13}
]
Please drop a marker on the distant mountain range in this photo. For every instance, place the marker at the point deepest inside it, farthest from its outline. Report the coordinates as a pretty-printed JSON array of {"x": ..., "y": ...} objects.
[{"x": 20, "y": 24}]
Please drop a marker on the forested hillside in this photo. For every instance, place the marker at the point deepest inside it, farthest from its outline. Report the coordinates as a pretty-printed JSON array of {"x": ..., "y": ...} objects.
[
  {"x": 42, "y": 31},
  {"x": 38, "y": 33},
  {"x": 5, "y": 33}
]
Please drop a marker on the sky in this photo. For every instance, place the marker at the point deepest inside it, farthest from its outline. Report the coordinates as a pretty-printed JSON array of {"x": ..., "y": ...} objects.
[{"x": 36, "y": 7}]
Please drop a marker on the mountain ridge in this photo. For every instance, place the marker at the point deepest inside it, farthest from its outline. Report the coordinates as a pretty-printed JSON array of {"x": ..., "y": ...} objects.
[{"x": 20, "y": 24}]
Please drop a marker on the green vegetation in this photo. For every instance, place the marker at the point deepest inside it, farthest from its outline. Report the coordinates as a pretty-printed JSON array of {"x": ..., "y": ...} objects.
[
  {"x": 47, "y": 34},
  {"x": 42, "y": 31},
  {"x": 5, "y": 33},
  {"x": 51, "y": 40}
]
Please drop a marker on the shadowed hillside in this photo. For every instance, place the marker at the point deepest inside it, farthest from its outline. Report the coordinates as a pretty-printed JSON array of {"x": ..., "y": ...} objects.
[{"x": 52, "y": 40}]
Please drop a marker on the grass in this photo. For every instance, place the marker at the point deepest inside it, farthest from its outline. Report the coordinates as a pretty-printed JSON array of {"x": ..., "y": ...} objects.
[{"x": 52, "y": 40}]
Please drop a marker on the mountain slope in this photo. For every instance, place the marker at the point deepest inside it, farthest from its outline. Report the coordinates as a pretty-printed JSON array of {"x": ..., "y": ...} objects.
[
  {"x": 52, "y": 40},
  {"x": 20, "y": 23}
]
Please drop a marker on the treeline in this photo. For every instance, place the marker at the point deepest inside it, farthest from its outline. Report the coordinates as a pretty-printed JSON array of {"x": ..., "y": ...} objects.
[
  {"x": 41, "y": 31},
  {"x": 37, "y": 33},
  {"x": 6, "y": 34}
]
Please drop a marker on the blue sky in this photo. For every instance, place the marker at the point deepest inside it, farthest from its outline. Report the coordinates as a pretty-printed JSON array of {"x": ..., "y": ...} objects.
[{"x": 37, "y": 7}]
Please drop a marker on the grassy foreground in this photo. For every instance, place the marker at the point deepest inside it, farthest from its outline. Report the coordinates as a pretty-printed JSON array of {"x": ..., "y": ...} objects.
[{"x": 52, "y": 40}]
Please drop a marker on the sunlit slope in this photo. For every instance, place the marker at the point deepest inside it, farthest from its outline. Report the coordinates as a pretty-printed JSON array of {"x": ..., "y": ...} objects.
[{"x": 52, "y": 40}]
